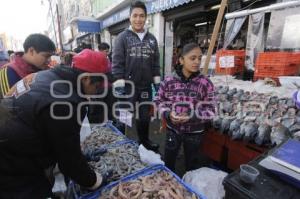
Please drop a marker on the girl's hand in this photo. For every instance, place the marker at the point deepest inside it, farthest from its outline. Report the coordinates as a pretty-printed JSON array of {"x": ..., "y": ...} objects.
[{"x": 178, "y": 119}]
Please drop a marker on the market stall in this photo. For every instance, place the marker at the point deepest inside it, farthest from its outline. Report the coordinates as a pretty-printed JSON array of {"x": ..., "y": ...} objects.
[{"x": 107, "y": 149}]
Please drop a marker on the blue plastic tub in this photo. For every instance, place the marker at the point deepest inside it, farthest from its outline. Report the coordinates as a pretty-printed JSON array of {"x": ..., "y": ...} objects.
[
  {"x": 147, "y": 171},
  {"x": 74, "y": 189}
]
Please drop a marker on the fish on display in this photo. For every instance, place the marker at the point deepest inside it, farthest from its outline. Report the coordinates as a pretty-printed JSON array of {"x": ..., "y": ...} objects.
[
  {"x": 235, "y": 126},
  {"x": 262, "y": 118},
  {"x": 279, "y": 133},
  {"x": 263, "y": 136},
  {"x": 225, "y": 124},
  {"x": 239, "y": 134},
  {"x": 217, "y": 121},
  {"x": 251, "y": 130}
]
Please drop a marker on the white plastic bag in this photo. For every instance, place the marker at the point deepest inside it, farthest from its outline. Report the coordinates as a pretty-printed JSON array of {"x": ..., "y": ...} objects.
[
  {"x": 207, "y": 181},
  {"x": 85, "y": 129},
  {"x": 149, "y": 157}
]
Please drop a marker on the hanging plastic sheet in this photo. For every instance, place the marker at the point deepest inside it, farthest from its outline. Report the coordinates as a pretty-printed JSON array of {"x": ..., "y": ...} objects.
[
  {"x": 233, "y": 27},
  {"x": 284, "y": 29},
  {"x": 255, "y": 39}
]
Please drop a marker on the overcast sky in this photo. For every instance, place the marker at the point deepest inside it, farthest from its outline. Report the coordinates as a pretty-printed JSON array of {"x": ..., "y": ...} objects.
[{"x": 19, "y": 18}]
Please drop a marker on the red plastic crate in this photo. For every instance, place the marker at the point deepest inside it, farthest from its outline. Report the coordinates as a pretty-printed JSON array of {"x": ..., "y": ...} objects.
[
  {"x": 239, "y": 62},
  {"x": 274, "y": 64},
  {"x": 241, "y": 153}
]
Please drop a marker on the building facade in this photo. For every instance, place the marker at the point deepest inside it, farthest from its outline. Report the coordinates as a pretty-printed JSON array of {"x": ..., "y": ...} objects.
[{"x": 173, "y": 22}]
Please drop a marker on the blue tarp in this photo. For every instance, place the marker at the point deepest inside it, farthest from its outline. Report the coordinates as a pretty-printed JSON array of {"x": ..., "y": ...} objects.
[{"x": 88, "y": 26}]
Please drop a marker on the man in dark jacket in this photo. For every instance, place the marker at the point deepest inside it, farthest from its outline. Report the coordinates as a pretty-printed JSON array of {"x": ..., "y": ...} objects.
[
  {"x": 38, "y": 49},
  {"x": 136, "y": 59},
  {"x": 41, "y": 127}
]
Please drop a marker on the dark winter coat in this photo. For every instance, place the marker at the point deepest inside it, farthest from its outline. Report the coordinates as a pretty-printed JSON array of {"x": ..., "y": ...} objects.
[
  {"x": 134, "y": 59},
  {"x": 32, "y": 141}
]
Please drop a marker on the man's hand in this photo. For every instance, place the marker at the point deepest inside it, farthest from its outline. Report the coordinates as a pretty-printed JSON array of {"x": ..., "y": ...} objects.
[
  {"x": 102, "y": 180},
  {"x": 94, "y": 155},
  {"x": 119, "y": 87}
]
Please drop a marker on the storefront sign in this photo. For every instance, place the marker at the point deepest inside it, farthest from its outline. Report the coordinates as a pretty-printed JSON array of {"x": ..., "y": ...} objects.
[
  {"x": 113, "y": 19},
  {"x": 161, "y": 5}
]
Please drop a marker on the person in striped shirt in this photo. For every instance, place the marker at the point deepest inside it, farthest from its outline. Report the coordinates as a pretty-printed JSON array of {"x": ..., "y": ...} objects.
[{"x": 38, "y": 49}]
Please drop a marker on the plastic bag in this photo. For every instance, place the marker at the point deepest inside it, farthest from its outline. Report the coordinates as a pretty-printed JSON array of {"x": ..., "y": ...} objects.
[
  {"x": 207, "y": 181},
  {"x": 296, "y": 98},
  {"x": 85, "y": 129},
  {"x": 149, "y": 157},
  {"x": 59, "y": 188}
]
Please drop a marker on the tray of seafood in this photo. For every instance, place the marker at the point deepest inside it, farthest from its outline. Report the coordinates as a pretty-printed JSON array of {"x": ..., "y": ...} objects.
[
  {"x": 121, "y": 158},
  {"x": 102, "y": 136},
  {"x": 153, "y": 182}
]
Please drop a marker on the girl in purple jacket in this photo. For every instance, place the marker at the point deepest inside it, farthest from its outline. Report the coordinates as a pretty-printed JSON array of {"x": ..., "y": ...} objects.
[{"x": 186, "y": 101}]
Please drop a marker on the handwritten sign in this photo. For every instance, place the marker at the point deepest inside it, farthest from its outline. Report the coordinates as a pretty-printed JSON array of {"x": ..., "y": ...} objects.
[
  {"x": 226, "y": 62},
  {"x": 126, "y": 117}
]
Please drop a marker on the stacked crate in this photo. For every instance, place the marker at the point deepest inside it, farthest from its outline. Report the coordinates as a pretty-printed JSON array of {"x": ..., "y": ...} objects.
[
  {"x": 239, "y": 62},
  {"x": 275, "y": 64}
]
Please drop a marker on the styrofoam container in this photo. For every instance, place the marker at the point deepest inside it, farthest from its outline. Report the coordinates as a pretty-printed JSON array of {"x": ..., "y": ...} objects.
[{"x": 289, "y": 81}]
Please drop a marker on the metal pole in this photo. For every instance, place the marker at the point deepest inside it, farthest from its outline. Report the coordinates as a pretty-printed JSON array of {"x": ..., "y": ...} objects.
[
  {"x": 214, "y": 35},
  {"x": 53, "y": 24},
  {"x": 263, "y": 9},
  {"x": 59, "y": 30}
]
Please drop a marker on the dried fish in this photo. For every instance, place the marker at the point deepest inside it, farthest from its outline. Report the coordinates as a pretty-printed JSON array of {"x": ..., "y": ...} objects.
[{"x": 160, "y": 185}]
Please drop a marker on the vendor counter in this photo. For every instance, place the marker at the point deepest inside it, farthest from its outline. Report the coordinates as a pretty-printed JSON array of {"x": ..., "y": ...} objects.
[
  {"x": 230, "y": 153},
  {"x": 266, "y": 186}
]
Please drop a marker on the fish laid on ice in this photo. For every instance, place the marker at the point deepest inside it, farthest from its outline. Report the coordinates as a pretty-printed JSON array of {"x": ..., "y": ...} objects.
[
  {"x": 279, "y": 133},
  {"x": 263, "y": 136}
]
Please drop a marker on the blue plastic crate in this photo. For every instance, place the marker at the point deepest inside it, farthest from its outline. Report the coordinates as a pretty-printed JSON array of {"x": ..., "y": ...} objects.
[
  {"x": 74, "y": 189},
  {"x": 147, "y": 171}
]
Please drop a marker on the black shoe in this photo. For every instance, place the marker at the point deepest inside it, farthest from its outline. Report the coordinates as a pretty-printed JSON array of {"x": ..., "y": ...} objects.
[{"x": 148, "y": 144}]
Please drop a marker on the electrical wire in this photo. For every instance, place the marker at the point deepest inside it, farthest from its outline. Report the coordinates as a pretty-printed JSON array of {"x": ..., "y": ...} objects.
[{"x": 251, "y": 4}]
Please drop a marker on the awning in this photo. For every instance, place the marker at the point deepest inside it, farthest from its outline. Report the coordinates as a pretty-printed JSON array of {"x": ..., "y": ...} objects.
[
  {"x": 161, "y": 5},
  {"x": 80, "y": 37},
  {"x": 87, "y": 24},
  {"x": 117, "y": 17}
]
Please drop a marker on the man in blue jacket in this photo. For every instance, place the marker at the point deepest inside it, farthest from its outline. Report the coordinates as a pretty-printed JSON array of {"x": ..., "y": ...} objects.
[{"x": 136, "y": 59}]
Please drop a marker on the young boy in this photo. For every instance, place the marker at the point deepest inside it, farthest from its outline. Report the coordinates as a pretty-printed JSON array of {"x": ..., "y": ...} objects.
[{"x": 38, "y": 49}]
